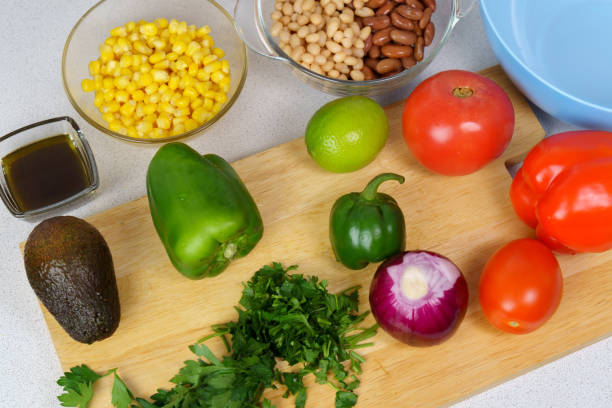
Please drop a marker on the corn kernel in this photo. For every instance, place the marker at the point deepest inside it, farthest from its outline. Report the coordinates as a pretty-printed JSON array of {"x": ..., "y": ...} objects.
[
  {"x": 158, "y": 133},
  {"x": 165, "y": 34},
  {"x": 196, "y": 103},
  {"x": 165, "y": 64},
  {"x": 122, "y": 82},
  {"x": 160, "y": 75},
  {"x": 200, "y": 115},
  {"x": 131, "y": 87},
  {"x": 132, "y": 132},
  {"x": 94, "y": 67},
  {"x": 148, "y": 29},
  {"x": 142, "y": 48},
  {"x": 181, "y": 28},
  {"x": 138, "y": 95},
  {"x": 155, "y": 98},
  {"x": 202, "y": 87},
  {"x": 203, "y": 76},
  {"x": 208, "y": 104},
  {"x": 166, "y": 107},
  {"x": 173, "y": 83},
  {"x": 225, "y": 81},
  {"x": 210, "y": 94},
  {"x": 212, "y": 67},
  {"x": 110, "y": 41},
  {"x": 225, "y": 66},
  {"x": 217, "y": 108},
  {"x": 108, "y": 117},
  {"x": 218, "y": 52},
  {"x": 127, "y": 120},
  {"x": 131, "y": 26},
  {"x": 150, "y": 109},
  {"x": 144, "y": 68},
  {"x": 88, "y": 85},
  {"x": 98, "y": 99},
  {"x": 106, "y": 53},
  {"x": 116, "y": 126},
  {"x": 146, "y": 79},
  {"x": 179, "y": 65},
  {"x": 190, "y": 93},
  {"x": 217, "y": 76},
  {"x": 127, "y": 109},
  {"x": 151, "y": 88},
  {"x": 158, "y": 43},
  {"x": 182, "y": 102},
  {"x": 178, "y": 129},
  {"x": 207, "y": 41},
  {"x": 125, "y": 71},
  {"x": 118, "y": 32},
  {"x": 161, "y": 22},
  {"x": 163, "y": 122},
  {"x": 173, "y": 26},
  {"x": 190, "y": 124},
  {"x": 221, "y": 98},
  {"x": 122, "y": 46},
  {"x": 157, "y": 57},
  {"x": 122, "y": 96},
  {"x": 143, "y": 128},
  {"x": 192, "y": 47},
  {"x": 109, "y": 95},
  {"x": 209, "y": 59},
  {"x": 182, "y": 112},
  {"x": 133, "y": 37},
  {"x": 202, "y": 31},
  {"x": 108, "y": 83},
  {"x": 193, "y": 69},
  {"x": 179, "y": 47},
  {"x": 186, "y": 81}
]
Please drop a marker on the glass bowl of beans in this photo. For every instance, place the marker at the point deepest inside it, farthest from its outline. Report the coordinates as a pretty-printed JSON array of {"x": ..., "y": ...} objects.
[
  {"x": 153, "y": 71},
  {"x": 350, "y": 47}
]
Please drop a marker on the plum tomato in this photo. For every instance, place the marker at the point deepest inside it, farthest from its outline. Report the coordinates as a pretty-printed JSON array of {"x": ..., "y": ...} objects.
[
  {"x": 520, "y": 287},
  {"x": 455, "y": 122}
]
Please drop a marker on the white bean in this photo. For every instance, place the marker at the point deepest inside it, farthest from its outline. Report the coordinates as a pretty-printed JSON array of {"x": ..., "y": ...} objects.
[
  {"x": 293, "y": 26},
  {"x": 297, "y": 6},
  {"x": 302, "y": 20},
  {"x": 308, "y": 5},
  {"x": 287, "y": 9},
  {"x": 307, "y": 58},
  {"x": 364, "y": 12},
  {"x": 312, "y": 38},
  {"x": 316, "y": 68},
  {"x": 276, "y": 29},
  {"x": 284, "y": 35},
  {"x": 339, "y": 57},
  {"x": 316, "y": 19},
  {"x": 338, "y": 36},
  {"x": 357, "y": 75},
  {"x": 319, "y": 59},
  {"x": 343, "y": 77},
  {"x": 347, "y": 42},
  {"x": 359, "y": 44},
  {"x": 345, "y": 18},
  {"x": 365, "y": 33},
  {"x": 314, "y": 49},
  {"x": 322, "y": 39},
  {"x": 358, "y": 4},
  {"x": 332, "y": 26},
  {"x": 276, "y": 15},
  {"x": 351, "y": 60},
  {"x": 297, "y": 53},
  {"x": 358, "y": 52},
  {"x": 328, "y": 66},
  {"x": 295, "y": 41},
  {"x": 333, "y": 47},
  {"x": 333, "y": 73},
  {"x": 330, "y": 9},
  {"x": 303, "y": 32}
]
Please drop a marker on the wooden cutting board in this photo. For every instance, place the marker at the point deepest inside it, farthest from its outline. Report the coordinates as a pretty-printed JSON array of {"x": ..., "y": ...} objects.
[{"x": 465, "y": 218}]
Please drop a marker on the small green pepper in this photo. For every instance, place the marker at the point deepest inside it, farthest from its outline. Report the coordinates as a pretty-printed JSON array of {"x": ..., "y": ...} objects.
[
  {"x": 368, "y": 226},
  {"x": 202, "y": 211}
]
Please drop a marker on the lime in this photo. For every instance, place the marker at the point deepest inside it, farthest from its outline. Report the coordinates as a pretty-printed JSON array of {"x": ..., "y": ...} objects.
[{"x": 346, "y": 134}]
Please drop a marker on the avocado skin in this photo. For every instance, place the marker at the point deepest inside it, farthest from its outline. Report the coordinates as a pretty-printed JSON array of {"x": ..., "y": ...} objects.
[{"x": 70, "y": 268}]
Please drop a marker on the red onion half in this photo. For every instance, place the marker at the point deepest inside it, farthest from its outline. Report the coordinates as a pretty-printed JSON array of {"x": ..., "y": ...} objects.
[{"x": 419, "y": 297}]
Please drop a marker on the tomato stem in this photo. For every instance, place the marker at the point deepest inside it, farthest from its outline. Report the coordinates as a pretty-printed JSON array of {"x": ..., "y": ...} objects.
[{"x": 463, "y": 92}]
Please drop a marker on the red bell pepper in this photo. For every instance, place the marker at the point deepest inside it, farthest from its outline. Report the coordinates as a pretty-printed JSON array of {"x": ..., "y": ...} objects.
[{"x": 564, "y": 190}]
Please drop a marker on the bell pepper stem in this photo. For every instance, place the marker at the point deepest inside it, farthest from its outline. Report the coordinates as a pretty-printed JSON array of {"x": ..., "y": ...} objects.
[{"x": 370, "y": 191}]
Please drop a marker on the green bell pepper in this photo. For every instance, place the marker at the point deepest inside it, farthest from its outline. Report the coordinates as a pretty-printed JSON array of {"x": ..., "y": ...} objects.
[
  {"x": 368, "y": 226},
  {"x": 202, "y": 211}
]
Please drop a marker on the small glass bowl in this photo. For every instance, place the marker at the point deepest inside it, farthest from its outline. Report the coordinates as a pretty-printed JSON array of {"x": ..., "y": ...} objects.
[
  {"x": 82, "y": 46},
  {"x": 37, "y": 132},
  {"x": 253, "y": 17}
]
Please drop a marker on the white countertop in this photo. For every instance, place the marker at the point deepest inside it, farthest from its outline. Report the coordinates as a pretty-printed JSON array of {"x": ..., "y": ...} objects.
[{"x": 273, "y": 108}]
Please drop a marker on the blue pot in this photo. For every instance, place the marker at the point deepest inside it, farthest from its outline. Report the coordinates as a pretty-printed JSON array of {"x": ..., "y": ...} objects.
[{"x": 558, "y": 53}]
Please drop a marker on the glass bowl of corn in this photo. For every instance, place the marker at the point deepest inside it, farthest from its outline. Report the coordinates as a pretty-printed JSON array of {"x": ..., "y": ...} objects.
[{"x": 153, "y": 71}]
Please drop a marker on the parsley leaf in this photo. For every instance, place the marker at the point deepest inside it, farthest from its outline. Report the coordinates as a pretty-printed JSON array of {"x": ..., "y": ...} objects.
[
  {"x": 78, "y": 386},
  {"x": 121, "y": 396}
]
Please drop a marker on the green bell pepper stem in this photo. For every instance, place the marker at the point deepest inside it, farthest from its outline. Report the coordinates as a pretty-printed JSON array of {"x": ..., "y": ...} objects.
[{"x": 371, "y": 190}]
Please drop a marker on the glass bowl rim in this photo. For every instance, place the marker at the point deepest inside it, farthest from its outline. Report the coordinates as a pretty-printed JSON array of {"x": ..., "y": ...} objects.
[{"x": 230, "y": 102}]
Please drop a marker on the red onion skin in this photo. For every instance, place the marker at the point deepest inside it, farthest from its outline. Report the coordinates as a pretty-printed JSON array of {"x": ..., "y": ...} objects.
[{"x": 443, "y": 318}]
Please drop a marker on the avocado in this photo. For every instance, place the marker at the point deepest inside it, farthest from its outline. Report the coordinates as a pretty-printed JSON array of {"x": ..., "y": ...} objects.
[{"x": 70, "y": 268}]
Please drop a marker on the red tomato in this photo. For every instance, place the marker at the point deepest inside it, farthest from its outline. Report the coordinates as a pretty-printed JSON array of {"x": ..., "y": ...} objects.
[
  {"x": 455, "y": 122},
  {"x": 577, "y": 208},
  {"x": 520, "y": 287}
]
